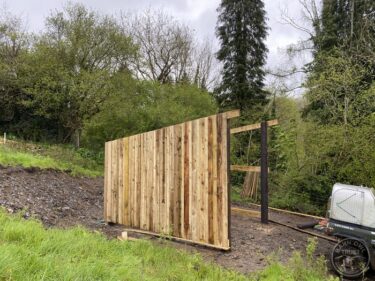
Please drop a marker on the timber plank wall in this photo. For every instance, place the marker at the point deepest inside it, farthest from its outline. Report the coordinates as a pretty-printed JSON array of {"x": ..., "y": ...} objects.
[{"x": 173, "y": 181}]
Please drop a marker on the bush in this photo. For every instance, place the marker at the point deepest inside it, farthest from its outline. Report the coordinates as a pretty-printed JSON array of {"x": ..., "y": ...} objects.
[{"x": 144, "y": 106}]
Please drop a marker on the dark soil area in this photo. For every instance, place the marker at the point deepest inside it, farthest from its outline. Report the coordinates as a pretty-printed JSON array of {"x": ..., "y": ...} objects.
[
  {"x": 60, "y": 200},
  {"x": 56, "y": 198}
]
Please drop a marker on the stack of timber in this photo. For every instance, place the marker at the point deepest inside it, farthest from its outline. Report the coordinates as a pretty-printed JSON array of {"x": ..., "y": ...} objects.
[
  {"x": 250, "y": 186},
  {"x": 173, "y": 181}
]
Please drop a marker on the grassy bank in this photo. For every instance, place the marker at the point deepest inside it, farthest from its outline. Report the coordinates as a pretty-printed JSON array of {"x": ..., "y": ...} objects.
[
  {"x": 57, "y": 157},
  {"x": 30, "y": 252}
]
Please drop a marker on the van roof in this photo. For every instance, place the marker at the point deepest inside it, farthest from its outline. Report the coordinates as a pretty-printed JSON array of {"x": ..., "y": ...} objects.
[{"x": 337, "y": 186}]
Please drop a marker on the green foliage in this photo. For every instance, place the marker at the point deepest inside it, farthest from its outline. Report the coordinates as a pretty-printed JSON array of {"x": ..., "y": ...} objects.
[
  {"x": 140, "y": 106},
  {"x": 241, "y": 30},
  {"x": 69, "y": 72},
  {"x": 309, "y": 158},
  {"x": 57, "y": 157},
  {"x": 346, "y": 23},
  {"x": 339, "y": 92}
]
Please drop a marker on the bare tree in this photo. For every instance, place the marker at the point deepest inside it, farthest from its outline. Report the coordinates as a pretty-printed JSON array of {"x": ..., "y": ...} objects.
[
  {"x": 13, "y": 37},
  {"x": 290, "y": 79},
  {"x": 167, "y": 49}
]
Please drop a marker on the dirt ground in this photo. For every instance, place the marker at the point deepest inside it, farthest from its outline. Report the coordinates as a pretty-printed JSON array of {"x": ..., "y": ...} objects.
[{"x": 60, "y": 200}]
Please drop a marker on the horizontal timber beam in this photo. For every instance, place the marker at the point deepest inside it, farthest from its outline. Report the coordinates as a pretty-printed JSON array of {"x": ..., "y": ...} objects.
[
  {"x": 239, "y": 168},
  {"x": 245, "y": 168},
  {"x": 232, "y": 113},
  {"x": 173, "y": 238},
  {"x": 290, "y": 212},
  {"x": 246, "y": 212},
  {"x": 253, "y": 127}
]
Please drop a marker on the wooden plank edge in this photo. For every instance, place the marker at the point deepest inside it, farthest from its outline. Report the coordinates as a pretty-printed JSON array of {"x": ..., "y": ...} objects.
[
  {"x": 248, "y": 213},
  {"x": 232, "y": 114},
  {"x": 255, "y": 126},
  {"x": 290, "y": 212},
  {"x": 239, "y": 168},
  {"x": 178, "y": 239},
  {"x": 228, "y": 114}
]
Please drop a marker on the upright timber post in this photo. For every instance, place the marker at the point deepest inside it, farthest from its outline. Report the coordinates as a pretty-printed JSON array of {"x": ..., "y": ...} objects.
[{"x": 264, "y": 173}]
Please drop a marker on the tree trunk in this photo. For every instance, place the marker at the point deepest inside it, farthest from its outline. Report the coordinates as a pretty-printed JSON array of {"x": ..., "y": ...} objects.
[{"x": 77, "y": 138}]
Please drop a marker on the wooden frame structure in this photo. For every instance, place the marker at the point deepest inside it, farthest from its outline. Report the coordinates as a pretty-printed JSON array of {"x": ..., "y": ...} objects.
[
  {"x": 263, "y": 169},
  {"x": 173, "y": 181}
]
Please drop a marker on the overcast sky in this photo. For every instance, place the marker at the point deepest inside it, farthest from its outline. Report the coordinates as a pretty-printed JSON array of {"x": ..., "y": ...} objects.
[{"x": 201, "y": 15}]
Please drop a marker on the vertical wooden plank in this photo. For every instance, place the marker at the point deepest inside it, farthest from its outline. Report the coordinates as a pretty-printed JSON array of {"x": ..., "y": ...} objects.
[
  {"x": 119, "y": 161},
  {"x": 206, "y": 182},
  {"x": 126, "y": 181},
  {"x": 151, "y": 179},
  {"x": 113, "y": 210},
  {"x": 157, "y": 169},
  {"x": 171, "y": 193},
  {"x": 202, "y": 181},
  {"x": 106, "y": 179},
  {"x": 143, "y": 198},
  {"x": 224, "y": 172},
  {"x": 187, "y": 175},
  {"x": 131, "y": 183},
  {"x": 147, "y": 186},
  {"x": 111, "y": 183},
  {"x": 215, "y": 175},
  {"x": 220, "y": 165},
  {"x": 132, "y": 175},
  {"x": 177, "y": 182},
  {"x": 168, "y": 183},
  {"x": 120, "y": 188},
  {"x": 210, "y": 211},
  {"x": 139, "y": 148},
  {"x": 195, "y": 188},
  {"x": 182, "y": 181},
  {"x": 163, "y": 207}
]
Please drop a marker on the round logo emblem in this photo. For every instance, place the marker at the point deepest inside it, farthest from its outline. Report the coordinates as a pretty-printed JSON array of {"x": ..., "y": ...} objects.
[{"x": 350, "y": 258}]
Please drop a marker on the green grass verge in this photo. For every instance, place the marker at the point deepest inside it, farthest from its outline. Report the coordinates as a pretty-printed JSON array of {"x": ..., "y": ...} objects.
[
  {"x": 49, "y": 157},
  {"x": 30, "y": 252}
]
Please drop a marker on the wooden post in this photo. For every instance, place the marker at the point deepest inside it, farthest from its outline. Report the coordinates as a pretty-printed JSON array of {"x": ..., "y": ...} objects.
[
  {"x": 5, "y": 138},
  {"x": 264, "y": 173}
]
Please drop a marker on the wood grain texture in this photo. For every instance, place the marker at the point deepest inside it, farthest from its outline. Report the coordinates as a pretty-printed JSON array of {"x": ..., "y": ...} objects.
[
  {"x": 172, "y": 181},
  {"x": 239, "y": 168}
]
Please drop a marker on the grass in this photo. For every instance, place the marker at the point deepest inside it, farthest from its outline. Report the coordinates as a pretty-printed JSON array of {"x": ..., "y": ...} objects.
[
  {"x": 57, "y": 157},
  {"x": 30, "y": 252}
]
